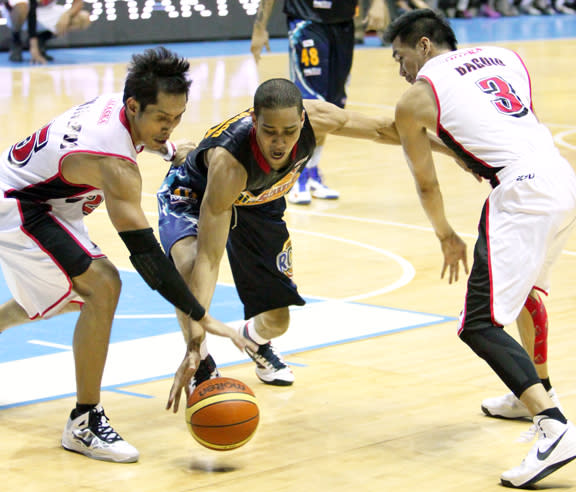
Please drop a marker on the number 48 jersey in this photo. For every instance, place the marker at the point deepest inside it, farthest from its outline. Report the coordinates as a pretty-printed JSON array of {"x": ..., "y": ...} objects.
[{"x": 485, "y": 111}]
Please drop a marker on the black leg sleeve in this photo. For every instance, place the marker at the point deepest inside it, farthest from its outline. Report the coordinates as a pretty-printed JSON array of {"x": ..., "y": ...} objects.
[{"x": 504, "y": 355}]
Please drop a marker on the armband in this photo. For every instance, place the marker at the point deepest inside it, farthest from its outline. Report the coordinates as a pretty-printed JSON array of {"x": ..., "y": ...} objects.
[{"x": 159, "y": 272}]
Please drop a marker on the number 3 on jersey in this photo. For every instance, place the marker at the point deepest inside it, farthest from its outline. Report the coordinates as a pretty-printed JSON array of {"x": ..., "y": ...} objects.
[{"x": 506, "y": 100}]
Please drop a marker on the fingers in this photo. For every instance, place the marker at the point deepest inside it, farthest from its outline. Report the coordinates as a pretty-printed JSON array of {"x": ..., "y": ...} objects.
[
  {"x": 177, "y": 400},
  {"x": 170, "y": 398},
  {"x": 241, "y": 342}
]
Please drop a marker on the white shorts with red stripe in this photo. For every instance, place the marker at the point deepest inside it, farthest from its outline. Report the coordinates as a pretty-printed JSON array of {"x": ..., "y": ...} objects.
[
  {"x": 525, "y": 223},
  {"x": 36, "y": 278}
]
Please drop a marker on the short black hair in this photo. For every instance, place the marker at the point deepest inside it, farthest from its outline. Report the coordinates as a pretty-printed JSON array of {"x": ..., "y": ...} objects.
[
  {"x": 277, "y": 94},
  {"x": 153, "y": 71},
  {"x": 412, "y": 26}
]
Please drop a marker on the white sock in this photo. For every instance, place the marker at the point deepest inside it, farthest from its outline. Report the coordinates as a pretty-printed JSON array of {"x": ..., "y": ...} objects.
[{"x": 253, "y": 334}]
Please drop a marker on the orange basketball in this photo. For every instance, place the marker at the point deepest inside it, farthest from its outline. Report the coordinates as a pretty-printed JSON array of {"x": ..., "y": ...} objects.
[{"x": 222, "y": 413}]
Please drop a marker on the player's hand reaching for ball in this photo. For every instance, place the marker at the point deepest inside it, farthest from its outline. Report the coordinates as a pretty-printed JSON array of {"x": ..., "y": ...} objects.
[
  {"x": 454, "y": 251},
  {"x": 191, "y": 359},
  {"x": 212, "y": 325},
  {"x": 183, "y": 376}
]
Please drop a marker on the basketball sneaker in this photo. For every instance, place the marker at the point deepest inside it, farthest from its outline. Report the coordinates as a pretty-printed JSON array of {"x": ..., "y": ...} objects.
[
  {"x": 206, "y": 370},
  {"x": 556, "y": 446},
  {"x": 300, "y": 192},
  {"x": 270, "y": 367},
  {"x": 317, "y": 187},
  {"x": 90, "y": 434},
  {"x": 16, "y": 52},
  {"x": 510, "y": 407}
]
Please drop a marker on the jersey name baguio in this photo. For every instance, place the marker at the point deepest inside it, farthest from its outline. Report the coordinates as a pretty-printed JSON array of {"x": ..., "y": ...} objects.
[{"x": 484, "y": 102}]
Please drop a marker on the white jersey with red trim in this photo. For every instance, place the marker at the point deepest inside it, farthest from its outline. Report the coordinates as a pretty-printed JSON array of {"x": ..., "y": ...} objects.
[
  {"x": 33, "y": 166},
  {"x": 485, "y": 111}
]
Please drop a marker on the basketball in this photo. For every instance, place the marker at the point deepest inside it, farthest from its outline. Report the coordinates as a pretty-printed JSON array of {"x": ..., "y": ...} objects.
[{"x": 222, "y": 414}]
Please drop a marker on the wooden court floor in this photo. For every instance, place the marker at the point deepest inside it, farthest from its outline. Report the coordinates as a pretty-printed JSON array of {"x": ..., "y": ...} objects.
[{"x": 394, "y": 413}]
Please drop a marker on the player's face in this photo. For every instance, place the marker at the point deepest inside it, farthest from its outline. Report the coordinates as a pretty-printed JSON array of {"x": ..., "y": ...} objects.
[
  {"x": 277, "y": 131},
  {"x": 410, "y": 59},
  {"x": 153, "y": 126}
]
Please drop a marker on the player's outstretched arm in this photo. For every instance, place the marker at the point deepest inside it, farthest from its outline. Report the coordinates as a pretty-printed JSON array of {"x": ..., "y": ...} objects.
[
  {"x": 327, "y": 118},
  {"x": 260, "y": 36},
  {"x": 226, "y": 179},
  {"x": 415, "y": 114}
]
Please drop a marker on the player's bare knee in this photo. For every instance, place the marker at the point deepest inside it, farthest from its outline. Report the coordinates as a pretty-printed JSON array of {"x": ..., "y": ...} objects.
[
  {"x": 183, "y": 253},
  {"x": 275, "y": 322},
  {"x": 19, "y": 13},
  {"x": 81, "y": 21},
  {"x": 100, "y": 282}
]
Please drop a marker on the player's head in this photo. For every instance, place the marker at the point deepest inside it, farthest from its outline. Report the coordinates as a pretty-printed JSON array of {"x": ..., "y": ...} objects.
[
  {"x": 417, "y": 36},
  {"x": 278, "y": 119},
  {"x": 155, "y": 95}
]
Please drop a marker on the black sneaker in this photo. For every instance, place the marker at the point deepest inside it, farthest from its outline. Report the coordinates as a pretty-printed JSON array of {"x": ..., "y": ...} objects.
[
  {"x": 206, "y": 370},
  {"x": 43, "y": 38},
  {"x": 90, "y": 434},
  {"x": 16, "y": 52}
]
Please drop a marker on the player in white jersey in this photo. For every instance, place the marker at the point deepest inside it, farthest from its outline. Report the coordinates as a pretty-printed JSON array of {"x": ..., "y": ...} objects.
[
  {"x": 48, "y": 183},
  {"x": 478, "y": 102}
]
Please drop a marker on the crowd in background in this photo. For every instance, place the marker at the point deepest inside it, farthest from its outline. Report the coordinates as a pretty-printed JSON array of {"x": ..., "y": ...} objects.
[{"x": 467, "y": 9}]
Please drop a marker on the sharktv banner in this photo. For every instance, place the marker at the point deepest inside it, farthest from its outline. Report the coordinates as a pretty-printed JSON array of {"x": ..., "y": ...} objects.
[{"x": 116, "y": 22}]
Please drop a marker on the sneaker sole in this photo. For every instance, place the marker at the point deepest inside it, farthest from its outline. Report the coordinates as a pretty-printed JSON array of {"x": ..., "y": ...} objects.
[
  {"x": 543, "y": 474},
  {"x": 300, "y": 203},
  {"x": 129, "y": 459},
  {"x": 496, "y": 416},
  {"x": 276, "y": 382}
]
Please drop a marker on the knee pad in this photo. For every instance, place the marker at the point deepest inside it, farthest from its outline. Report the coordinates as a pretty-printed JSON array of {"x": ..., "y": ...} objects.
[{"x": 537, "y": 311}]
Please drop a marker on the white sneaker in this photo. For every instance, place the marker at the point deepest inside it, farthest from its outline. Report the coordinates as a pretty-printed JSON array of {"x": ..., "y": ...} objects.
[
  {"x": 317, "y": 187},
  {"x": 510, "y": 407},
  {"x": 320, "y": 190},
  {"x": 270, "y": 367},
  {"x": 556, "y": 446},
  {"x": 299, "y": 196},
  {"x": 90, "y": 434},
  {"x": 300, "y": 192}
]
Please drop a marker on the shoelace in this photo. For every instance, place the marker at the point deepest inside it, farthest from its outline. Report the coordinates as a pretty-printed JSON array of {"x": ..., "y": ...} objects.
[
  {"x": 529, "y": 435},
  {"x": 271, "y": 359},
  {"x": 101, "y": 427}
]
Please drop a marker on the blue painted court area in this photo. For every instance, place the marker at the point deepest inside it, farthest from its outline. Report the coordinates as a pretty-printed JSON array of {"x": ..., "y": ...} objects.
[
  {"x": 477, "y": 30},
  {"x": 147, "y": 345},
  {"x": 141, "y": 312}
]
